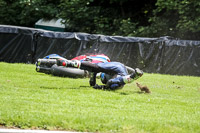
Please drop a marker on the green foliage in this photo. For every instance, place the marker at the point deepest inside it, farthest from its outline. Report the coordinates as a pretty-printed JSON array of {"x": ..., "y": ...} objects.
[
  {"x": 26, "y": 12},
  {"x": 176, "y": 18},
  {"x": 154, "y": 18},
  {"x": 161, "y": 18},
  {"x": 78, "y": 16},
  {"x": 103, "y": 17},
  {"x": 37, "y": 10},
  {"x": 82, "y": 17},
  {"x": 38, "y": 101},
  {"x": 126, "y": 27},
  {"x": 8, "y": 11}
]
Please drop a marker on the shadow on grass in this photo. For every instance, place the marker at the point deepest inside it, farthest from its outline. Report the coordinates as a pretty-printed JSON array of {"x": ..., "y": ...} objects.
[
  {"x": 86, "y": 86},
  {"x": 130, "y": 93},
  {"x": 53, "y": 87}
]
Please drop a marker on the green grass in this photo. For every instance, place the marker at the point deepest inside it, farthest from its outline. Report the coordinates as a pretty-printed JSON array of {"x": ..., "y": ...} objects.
[{"x": 38, "y": 101}]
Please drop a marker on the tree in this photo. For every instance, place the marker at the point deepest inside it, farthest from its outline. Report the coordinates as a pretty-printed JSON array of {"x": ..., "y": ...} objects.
[
  {"x": 148, "y": 18},
  {"x": 8, "y": 12},
  {"x": 27, "y": 12},
  {"x": 109, "y": 17},
  {"x": 180, "y": 19}
]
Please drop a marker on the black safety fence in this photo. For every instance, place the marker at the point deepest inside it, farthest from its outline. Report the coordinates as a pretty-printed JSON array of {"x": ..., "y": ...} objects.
[{"x": 153, "y": 55}]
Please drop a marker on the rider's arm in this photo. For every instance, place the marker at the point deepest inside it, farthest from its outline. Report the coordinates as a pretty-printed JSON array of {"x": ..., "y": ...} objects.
[
  {"x": 130, "y": 70},
  {"x": 93, "y": 79}
]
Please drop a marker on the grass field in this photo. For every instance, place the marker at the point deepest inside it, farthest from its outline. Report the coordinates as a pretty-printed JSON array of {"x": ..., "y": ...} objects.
[{"x": 34, "y": 100}]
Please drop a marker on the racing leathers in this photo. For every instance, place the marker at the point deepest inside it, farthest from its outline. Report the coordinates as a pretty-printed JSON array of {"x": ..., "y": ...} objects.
[{"x": 114, "y": 74}]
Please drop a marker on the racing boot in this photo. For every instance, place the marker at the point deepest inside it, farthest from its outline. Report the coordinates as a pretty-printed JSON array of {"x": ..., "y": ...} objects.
[
  {"x": 69, "y": 63},
  {"x": 134, "y": 76},
  {"x": 138, "y": 73}
]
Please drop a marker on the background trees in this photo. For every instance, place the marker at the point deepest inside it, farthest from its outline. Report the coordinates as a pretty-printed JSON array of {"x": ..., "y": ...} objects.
[
  {"x": 177, "y": 18},
  {"x": 148, "y": 18},
  {"x": 110, "y": 17},
  {"x": 27, "y": 12}
]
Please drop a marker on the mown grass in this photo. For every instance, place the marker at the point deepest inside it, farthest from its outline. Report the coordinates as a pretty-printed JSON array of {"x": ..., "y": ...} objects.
[{"x": 38, "y": 101}]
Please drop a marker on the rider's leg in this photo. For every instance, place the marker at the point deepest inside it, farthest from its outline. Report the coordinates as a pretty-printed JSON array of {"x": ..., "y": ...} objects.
[{"x": 83, "y": 65}]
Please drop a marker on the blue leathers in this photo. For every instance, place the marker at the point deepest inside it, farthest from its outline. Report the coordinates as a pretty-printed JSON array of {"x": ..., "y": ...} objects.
[
  {"x": 117, "y": 74},
  {"x": 117, "y": 70},
  {"x": 114, "y": 67}
]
